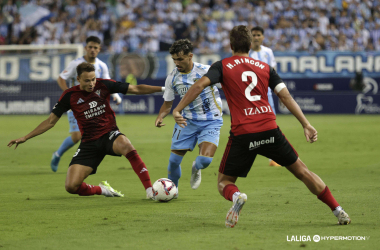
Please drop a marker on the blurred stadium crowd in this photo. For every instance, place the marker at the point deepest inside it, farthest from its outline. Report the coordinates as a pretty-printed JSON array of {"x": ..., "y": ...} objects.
[{"x": 144, "y": 26}]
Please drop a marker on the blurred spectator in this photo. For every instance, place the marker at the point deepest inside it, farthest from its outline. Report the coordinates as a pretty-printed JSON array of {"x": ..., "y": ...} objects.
[{"x": 150, "y": 25}]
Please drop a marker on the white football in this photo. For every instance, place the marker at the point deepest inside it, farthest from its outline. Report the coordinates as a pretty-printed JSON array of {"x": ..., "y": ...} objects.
[{"x": 164, "y": 190}]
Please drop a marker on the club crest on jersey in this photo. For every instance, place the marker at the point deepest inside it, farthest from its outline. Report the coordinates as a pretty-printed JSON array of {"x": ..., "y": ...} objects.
[
  {"x": 196, "y": 79},
  {"x": 97, "y": 92}
]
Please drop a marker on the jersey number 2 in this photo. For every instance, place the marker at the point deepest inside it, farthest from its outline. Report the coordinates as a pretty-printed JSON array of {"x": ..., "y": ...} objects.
[{"x": 251, "y": 86}]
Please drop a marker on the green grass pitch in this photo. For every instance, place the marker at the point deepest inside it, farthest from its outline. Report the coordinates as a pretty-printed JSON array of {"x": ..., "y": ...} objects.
[{"x": 37, "y": 213}]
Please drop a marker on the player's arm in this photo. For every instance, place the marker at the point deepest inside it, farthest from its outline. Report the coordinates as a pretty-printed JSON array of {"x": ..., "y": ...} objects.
[
  {"x": 124, "y": 88},
  {"x": 169, "y": 96},
  {"x": 273, "y": 62},
  {"x": 213, "y": 76},
  {"x": 188, "y": 98},
  {"x": 164, "y": 111},
  {"x": 40, "y": 129},
  {"x": 68, "y": 73},
  {"x": 62, "y": 83},
  {"x": 283, "y": 94},
  {"x": 106, "y": 75},
  {"x": 143, "y": 89}
]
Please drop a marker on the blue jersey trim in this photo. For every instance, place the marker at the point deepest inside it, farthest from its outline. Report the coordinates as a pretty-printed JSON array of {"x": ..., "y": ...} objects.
[
  {"x": 101, "y": 71},
  {"x": 268, "y": 59},
  {"x": 191, "y": 105},
  {"x": 209, "y": 115}
]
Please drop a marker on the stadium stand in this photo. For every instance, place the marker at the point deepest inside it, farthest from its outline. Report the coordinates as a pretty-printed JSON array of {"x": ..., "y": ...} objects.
[{"x": 144, "y": 26}]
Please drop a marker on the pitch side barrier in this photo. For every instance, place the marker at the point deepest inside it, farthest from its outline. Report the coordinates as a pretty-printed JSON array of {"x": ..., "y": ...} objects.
[
  {"x": 315, "y": 96},
  {"x": 320, "y": 82}
]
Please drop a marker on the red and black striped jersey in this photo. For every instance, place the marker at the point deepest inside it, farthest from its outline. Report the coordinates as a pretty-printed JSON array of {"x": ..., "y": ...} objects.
[
  {"x": 91, "y": 109},
  {"x": 245, "y": 82}
]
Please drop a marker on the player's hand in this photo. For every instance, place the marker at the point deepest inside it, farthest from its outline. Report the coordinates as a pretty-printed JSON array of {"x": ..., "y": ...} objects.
[
  {"x": 179, "y": 119},
  {"x": 159, "y": 123},
  {"x": 117, "y": 99},
  {"x": 311, "y": 133},
  {"x": 17, "y": 142}
]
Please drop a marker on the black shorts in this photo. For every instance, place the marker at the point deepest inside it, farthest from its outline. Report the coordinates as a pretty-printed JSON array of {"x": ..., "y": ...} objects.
[
  {"x": 92, "y": 153},
  {"x": 242, "y": 150}
]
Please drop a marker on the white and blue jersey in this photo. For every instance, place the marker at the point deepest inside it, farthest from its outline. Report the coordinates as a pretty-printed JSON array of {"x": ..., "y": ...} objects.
[
  {"x": 70, "y": 72},
  {"x": 207, "y": 106},
  {"x": 204, "y": 114},
  {"x": 70, "y": 75},
  {"x": 265, "y": 55}
]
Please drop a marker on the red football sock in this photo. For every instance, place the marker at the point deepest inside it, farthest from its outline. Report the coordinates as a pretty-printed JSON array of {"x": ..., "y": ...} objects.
[
  {"x": 229, "y": 190},
  {"x": 86, "y": 190},
  {"x": 139, "y": 167},
  {"x": 326, "y": 197}
]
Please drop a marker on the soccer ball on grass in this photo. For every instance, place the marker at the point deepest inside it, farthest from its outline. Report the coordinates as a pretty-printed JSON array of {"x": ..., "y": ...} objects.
[{"x": 164, "y": 190}]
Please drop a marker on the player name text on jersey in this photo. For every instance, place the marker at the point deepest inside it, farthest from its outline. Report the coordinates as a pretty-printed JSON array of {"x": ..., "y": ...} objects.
[
  {"x": 246, "y": 60},
  {"x": 258, "y": 110}
]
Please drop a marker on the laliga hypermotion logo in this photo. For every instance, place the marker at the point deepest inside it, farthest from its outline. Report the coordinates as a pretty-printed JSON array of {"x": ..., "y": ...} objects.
[{"x": 365, "y": 102}]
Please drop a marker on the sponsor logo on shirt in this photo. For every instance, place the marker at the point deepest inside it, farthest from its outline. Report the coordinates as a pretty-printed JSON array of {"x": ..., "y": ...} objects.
[
  {"x": 93, "y": 104},
  {"x": 94, "y": 110},
  {"x": 80, "y": 101},
  {"x": 113, "y": 133}
]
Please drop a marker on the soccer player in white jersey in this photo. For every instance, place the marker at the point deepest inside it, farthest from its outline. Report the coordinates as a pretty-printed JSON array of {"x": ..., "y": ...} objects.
[
  {"x": 264, "y": 54},
  {"x": 204, "y": 114},
  {"x": 70, "y": 74}
]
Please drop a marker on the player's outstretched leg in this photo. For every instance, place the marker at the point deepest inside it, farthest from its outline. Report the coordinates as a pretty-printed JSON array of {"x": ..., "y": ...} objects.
[
  {"x": 174, "y": 169},
  {"x": 108, "y": 191},
  {"x": 319, "y": 188},
  {"x": 234, "y": 212},
  {"x": 142, "y": 172},
  {"x": 66, "y": 145},
  {"x": 75, "y": 184},
  {"x": 122, "y": 146},
  {"x": 326, "y": 197},
  {"x": 232, "y": 193},
  {"x": 228, "y": 189},
  {"x": 201, "y": 162},
  {"x": 343, "y": 218}
]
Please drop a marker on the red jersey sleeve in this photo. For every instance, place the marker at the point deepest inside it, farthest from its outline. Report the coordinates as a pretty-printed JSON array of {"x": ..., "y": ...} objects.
[
  {"x": 63, "y": 104},
  {"x": 274, "y": 79},
  {"x": 114, "y": 86},
  {"x": 215, "y": 73}
]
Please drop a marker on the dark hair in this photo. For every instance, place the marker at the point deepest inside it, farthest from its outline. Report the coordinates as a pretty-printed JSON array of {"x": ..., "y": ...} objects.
[
  {"x": 240, "y": 39},
  {"x": 85, "y": 67},
  {"x": 258, "y": 28},
  {"x": 183, "y": 45},
  {"x": 94, "y": 39}
]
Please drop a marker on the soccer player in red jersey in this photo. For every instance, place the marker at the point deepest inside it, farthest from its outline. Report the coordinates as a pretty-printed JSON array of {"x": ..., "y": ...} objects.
[
  {"x": 245, "y": 82},
  {"x": 90, "y": 104}
]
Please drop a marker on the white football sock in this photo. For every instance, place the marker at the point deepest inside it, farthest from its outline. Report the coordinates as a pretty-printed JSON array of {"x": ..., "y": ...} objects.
[
  {"x": 104, "y": 191},
  {"x": 149, "y": 190},
  {"x": 337, "y": 210},
  {"x": 235, "y": 196}
]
